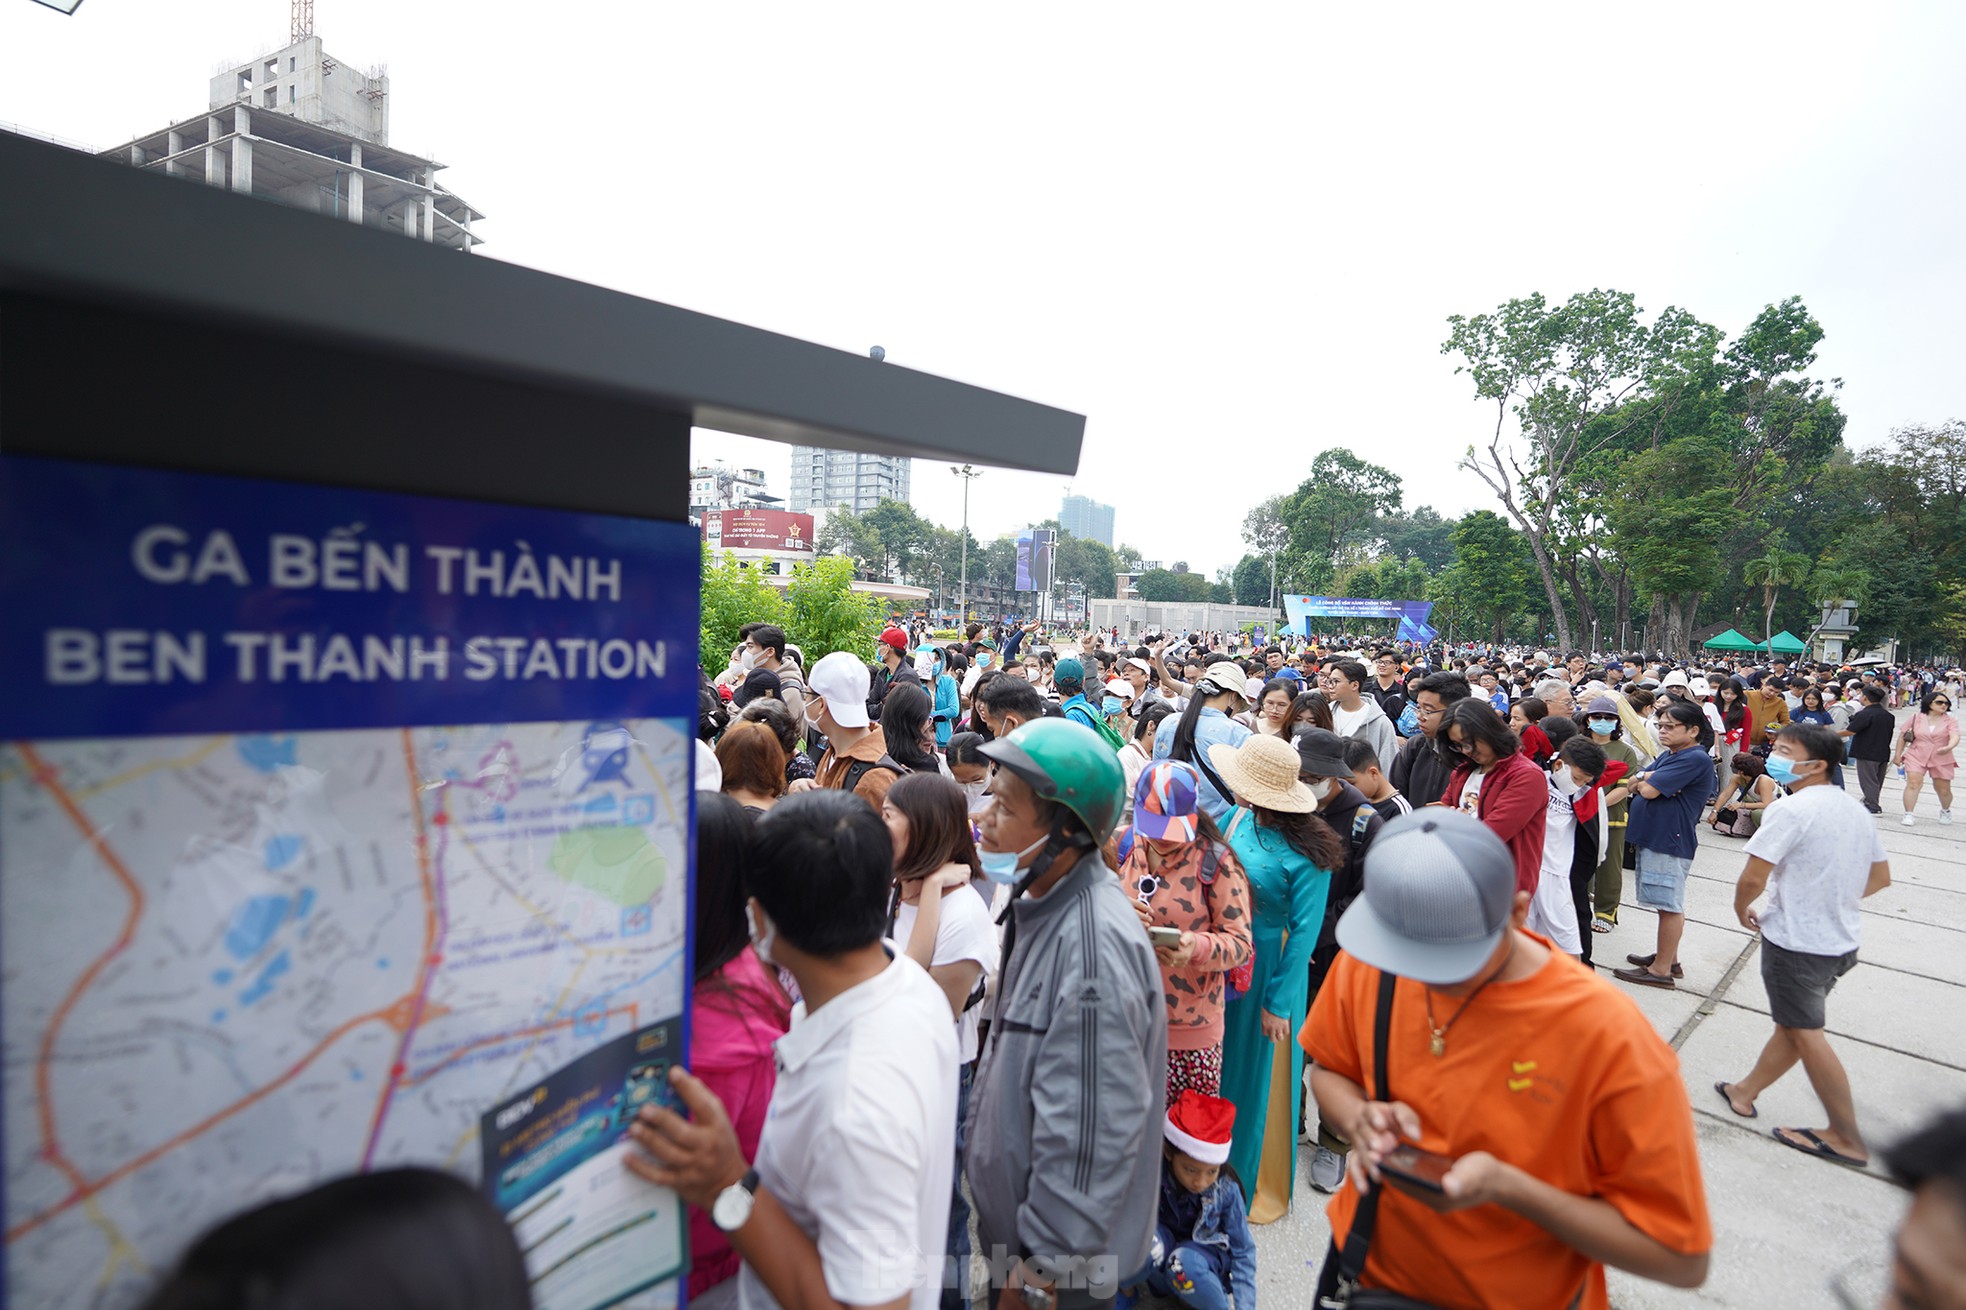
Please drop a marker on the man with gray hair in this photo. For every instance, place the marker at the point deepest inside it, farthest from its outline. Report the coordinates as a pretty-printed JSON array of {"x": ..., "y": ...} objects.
[
  {"x": 1546, "y": 1115},
  {"x": 1555, "y": 693}
]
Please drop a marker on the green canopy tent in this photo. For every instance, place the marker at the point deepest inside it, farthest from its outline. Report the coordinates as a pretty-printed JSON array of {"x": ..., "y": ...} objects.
[
  {"x": 1730, "y": 640},
  {"x": 1783, "y": 643}
]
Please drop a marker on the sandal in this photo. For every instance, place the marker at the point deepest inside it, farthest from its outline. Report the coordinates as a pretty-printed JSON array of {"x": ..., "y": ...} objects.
[
  {"x": 1603, "y": 925},
  {"x": 1817, "y": 1147},
  {"x": 1754, "y": 1112}
]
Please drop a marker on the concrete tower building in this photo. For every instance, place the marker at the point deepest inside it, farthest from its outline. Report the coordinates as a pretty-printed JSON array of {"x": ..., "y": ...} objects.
[
  {"x": 823, "y": 479},
  {"x": 301, "y": 128},
  {"x": 1087, "y": 519}
]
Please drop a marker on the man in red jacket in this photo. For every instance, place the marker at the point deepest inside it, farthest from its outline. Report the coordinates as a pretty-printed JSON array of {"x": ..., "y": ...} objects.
[{"x": 1498, "y": 784}]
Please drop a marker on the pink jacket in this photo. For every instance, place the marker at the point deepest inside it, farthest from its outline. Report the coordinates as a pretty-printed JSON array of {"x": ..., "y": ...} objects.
[{"x": 739, "y": 1012}]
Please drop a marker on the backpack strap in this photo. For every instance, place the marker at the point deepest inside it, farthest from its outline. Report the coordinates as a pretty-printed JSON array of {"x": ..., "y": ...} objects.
[{"x": 1211, "y": 860}]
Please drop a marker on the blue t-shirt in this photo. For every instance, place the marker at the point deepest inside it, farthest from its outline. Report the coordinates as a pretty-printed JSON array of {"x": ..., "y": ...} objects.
[{"x": 1686, "y": 781}]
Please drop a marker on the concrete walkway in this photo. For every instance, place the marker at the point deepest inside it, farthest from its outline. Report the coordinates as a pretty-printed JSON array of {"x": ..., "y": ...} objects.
[{"x": 1786, "y": 1228}]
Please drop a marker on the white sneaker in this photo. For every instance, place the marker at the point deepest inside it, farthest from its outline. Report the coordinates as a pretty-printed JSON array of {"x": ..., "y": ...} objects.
[
  {"x": 1909, "y": 820},
  {"x": 1327, "y": 1170},
  {"x": 1945, "y": 818}
]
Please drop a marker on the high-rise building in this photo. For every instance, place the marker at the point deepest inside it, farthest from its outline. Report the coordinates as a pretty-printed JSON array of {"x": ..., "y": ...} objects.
[
  {"x": 824, "y": 479},
  {"x": 1086, "y": 519},
  {"x": 301, "y": 128}
]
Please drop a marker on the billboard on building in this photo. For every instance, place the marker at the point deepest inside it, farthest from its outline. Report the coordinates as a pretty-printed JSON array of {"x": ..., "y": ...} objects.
[{"x": 757, "y": 529}]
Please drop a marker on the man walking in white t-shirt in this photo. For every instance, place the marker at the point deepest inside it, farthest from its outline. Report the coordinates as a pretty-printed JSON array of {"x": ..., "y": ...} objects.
[{"x": 1817, "y": 855}]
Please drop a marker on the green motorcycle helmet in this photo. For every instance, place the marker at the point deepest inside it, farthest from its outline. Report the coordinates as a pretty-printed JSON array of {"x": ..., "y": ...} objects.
[{"x": 1068, "y": 763}]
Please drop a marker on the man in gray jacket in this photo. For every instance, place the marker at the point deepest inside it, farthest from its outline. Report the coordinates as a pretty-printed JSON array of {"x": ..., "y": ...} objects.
[{"x": 1063, "y": 1151}]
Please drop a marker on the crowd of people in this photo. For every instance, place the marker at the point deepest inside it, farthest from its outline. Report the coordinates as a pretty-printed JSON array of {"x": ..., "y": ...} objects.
[{"x": 1025, "y": 969}]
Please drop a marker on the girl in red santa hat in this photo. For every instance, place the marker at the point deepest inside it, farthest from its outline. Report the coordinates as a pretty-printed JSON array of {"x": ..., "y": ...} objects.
[{"x": 1202, "y": 1255}]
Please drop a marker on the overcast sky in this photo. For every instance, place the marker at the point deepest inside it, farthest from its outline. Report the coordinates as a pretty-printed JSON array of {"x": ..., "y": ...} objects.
[{"x": 1228, "y": 234}]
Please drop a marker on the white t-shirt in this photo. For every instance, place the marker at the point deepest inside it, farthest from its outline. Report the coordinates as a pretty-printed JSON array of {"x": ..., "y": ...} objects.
[
  {"x": 1345, "y": 722},
  {"x": 1470, "y": 799},
  {"x": 965, "y": 933},
  {"x": 1552, "y": 910},
  {"x": 1822, "y": 843},
  {"x": 859, "y": 1143}
]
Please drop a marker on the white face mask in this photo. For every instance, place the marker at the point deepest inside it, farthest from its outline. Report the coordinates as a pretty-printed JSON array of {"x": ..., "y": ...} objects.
[
  {"x": 747, "y": 659},
  {"x": 761, "y": 943},
  {"x": 974, "y": 790},
  {"x": 1565, "y": 784},
  {"x": 925, "y": 665}
]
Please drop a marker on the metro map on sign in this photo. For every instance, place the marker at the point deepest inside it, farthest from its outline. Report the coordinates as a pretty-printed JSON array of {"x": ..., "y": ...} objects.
[{"x": 305, "y": 954}]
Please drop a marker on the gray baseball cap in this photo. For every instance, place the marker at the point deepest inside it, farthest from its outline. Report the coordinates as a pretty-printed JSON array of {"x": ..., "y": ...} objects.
[{"x": 1439, "y": 887}]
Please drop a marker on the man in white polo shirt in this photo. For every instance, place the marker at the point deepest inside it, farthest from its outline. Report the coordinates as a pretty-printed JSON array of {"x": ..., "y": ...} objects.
[{"x": 848, "y": 1204}]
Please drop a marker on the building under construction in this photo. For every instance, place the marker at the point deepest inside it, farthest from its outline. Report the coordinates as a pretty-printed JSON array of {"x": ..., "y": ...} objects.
[{"x": 299, "y": 127}]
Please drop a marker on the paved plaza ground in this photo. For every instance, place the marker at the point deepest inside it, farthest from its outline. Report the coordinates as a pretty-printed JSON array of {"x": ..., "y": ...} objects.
[{"x": 1786, "y": 1227}]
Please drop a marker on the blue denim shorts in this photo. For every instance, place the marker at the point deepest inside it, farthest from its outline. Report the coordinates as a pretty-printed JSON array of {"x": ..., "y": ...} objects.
[{"x": 1662, "y": 881}]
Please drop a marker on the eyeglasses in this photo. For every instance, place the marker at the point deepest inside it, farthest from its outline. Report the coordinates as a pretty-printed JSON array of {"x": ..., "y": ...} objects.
[
  {"x": 1459, "y": 747},
  {"x": 1427, "y": 712}
]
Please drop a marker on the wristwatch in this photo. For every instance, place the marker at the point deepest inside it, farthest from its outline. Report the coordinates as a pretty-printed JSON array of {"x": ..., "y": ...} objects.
[
  {"x": 1036, "y": 1298},
  {"x": 732, "y": 1208}
]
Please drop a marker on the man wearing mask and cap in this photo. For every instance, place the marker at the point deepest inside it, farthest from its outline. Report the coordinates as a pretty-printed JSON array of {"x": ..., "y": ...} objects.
[
  {"x": 892, "y": 653},
  {"x": 1069, "y": 677},
  {"x": 1479, "y": 1074},
  {"x": 1063, "y": 1142}
]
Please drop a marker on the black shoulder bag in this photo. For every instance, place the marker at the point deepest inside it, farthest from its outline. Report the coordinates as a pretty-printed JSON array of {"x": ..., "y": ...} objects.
[{"x": 1351, "y": 1261}]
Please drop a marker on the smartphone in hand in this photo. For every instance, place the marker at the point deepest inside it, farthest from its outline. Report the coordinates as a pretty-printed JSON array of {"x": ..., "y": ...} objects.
[
  {"x": 1169, "y": 937},
  {"x": 1424, "y": 1170}
]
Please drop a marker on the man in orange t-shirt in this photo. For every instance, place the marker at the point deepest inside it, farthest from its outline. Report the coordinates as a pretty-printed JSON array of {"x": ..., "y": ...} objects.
[{"x": 1562, "y": 1112}]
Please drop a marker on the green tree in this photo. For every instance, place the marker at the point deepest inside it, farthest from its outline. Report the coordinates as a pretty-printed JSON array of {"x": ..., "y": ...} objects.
[
  {"x": 1671, "y": 512},
  {"x": 1160, "y": 585},
  {"x": 1251, "y": 581},
  {"x": 1266, "y": 532},
  {"x": 733, "y": 594},
  {"x": 851, "y": 535},
  {"x": 1555, "y": 371},
  {"x": 906, "y": 539},
  {"x": 1422, "y": 535},
  {"x": 1491, "y": 571},
  {"x": 1332, "y": 508},
  {"x": 1778, "y": 568},
  {"x": 823, "y": 613}
]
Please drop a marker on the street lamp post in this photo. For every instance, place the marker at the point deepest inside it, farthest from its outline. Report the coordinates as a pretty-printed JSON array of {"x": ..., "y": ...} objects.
[{"x": 968, "y": 474}]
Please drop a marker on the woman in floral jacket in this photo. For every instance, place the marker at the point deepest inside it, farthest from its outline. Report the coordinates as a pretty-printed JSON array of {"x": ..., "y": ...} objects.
[{"x": 1184, "y": 879}]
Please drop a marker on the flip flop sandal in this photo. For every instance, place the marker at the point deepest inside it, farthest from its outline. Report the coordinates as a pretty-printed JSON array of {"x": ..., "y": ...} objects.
[
  {"x": 1602, "y": 925},
  {"x": 1751, "y": 1114},
  {"x": 1818, "y": 1147}
]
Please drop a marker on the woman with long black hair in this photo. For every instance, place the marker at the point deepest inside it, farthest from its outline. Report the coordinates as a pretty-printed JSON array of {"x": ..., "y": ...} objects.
[
  {"x": 1215, "y": 695},
  {"x": 739, "y": 1009},
  {"x": 907, "y": 726},
  {"x": 940, "y": 919}
]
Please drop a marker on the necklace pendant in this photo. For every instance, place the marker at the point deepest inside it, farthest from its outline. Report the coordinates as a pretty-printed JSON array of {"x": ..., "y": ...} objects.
[{"x": 1438, "y": 1046}]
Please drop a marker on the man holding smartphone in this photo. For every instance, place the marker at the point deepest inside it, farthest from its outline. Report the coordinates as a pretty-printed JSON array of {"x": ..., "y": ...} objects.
[{"x": 1535, "y": 1128}]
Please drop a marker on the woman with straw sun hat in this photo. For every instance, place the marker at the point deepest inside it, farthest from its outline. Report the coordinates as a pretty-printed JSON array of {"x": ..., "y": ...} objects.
[{"x": 1287, "y": 856}]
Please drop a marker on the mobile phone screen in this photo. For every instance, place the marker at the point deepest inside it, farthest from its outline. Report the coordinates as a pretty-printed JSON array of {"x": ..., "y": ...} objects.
[{"x": 1417, "y": 1168}]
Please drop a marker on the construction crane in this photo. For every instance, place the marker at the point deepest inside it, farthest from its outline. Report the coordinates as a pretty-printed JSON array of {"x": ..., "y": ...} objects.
[{"x": 303, "y": 19}]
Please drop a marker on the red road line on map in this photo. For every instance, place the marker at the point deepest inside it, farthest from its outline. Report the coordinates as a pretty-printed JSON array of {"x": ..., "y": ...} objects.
[
  {"x": 49, "y": 780},
  {"x": 632, "y": 1010},
  {"x": 426, "y": 966},
  {"x": 85, "y": 1190}
]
